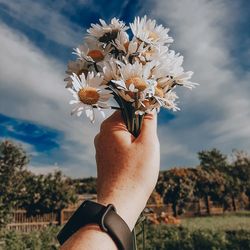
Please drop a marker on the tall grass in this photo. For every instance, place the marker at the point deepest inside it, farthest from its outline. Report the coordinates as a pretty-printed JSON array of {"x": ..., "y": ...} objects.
[{"x": 234, "y": 221}]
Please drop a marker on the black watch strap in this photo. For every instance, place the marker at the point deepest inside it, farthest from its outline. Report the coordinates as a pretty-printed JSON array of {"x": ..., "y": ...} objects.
[
  {"x": 106, "y": 217},
  {"x": 119, "y": 231}
]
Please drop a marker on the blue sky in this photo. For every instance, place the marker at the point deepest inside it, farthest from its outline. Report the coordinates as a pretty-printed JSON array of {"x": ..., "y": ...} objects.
[{"x": 37, "y": 38}]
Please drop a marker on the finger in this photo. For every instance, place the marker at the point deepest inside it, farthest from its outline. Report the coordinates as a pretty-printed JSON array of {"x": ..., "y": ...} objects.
[
  {"x": 96, "y": 140},
  {"x": 149, "y": 127},
  {"x": 115, "y": 125},
  {"x": 114, "y": 120},
  {"x": 115, "y": 117}
]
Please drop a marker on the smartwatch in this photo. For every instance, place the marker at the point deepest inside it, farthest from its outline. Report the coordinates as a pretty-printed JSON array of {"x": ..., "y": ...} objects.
[{"x": 106, "y": 217}]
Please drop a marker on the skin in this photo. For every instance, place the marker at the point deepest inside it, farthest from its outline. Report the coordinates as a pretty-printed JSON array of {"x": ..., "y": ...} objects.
[{"x": 127, "y": 172}]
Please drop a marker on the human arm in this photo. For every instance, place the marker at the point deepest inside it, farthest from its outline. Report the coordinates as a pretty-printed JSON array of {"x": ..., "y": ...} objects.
[{"x": 127, "y": 171}]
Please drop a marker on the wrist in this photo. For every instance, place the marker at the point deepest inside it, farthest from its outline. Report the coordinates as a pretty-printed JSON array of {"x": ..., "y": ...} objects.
[
  {"x": 128, "y": 210},
  {"x": 107, "y": 219}
]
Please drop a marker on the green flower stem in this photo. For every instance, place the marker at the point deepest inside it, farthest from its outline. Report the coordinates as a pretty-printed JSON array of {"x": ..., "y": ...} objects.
[{"x": 133, "y": 121}]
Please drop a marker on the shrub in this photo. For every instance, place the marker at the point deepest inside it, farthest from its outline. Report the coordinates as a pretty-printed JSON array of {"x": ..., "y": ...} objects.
[
  {"x": 40, "y": 240},
  {"x": 238, "y": 240},
  {"x": 158, "y": 237},
  {"x": 163, "y": 237}
]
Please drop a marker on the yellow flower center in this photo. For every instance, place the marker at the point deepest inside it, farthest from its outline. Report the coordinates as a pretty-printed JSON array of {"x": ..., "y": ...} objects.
[
  {"x": 89, "y": 95},
  {"x": 147, "y": 103},
  {"x": 147, "y": 53},
  {"x": 159, "y": 91},
  {"x": 96, "y": 55},
  {"x": 126, "y": 45},
  {"x": 153, "y": 36},
  {"x": 138, "y": 82}
]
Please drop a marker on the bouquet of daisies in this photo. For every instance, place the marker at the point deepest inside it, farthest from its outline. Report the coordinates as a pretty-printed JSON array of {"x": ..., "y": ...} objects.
[{"x": 139, "y": 72}]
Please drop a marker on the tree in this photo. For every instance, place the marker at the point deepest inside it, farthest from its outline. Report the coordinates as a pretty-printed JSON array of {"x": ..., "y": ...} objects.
[
  {"x": 211, "y": 160},
  {"x": 19, "y": 188},
  {"x": 208, "y": 184},
  {"x": 84, "y": 185},
  {"x": 239, "y": 175},
  {"x": 230, "y": 181},
  {"x": 211, "y": 176},
  {"x": 176, "y": 188},
  {"x": 13, "y": 161},
  {"x": 47, "y": 193},
  {"x": 242, "y": 168}
]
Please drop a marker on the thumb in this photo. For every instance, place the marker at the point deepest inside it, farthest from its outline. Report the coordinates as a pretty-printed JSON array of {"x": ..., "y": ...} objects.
[
  {"x": 149, "y": 127},
  {"x": 113, "y": 120}
]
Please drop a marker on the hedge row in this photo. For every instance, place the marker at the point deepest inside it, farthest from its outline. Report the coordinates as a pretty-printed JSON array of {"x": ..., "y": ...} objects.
[
  {"x": 157, "y": 238},
  {"x": 39, "y": 240},
  {"x": 180, "y": 238}
]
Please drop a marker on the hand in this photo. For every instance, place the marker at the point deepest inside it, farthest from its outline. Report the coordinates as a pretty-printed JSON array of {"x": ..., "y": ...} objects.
[{"x": 127, "y": 167}]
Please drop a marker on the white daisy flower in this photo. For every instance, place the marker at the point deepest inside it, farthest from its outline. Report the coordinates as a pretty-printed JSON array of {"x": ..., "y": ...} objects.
[
  {"x": 110, "y": 71},
  {"x": 88, "y": 94},
  {"x": 140, "y": 73},
  {"x": 106, "y": 33},
  {"x": 128, "y": 49},
  {"x": 152, "y": 53},
  {"x": 145, "y": 104},
  {"x": 92, "y": 52},
  {"x": 156, "y": 102},
  {"x": 147, "y": 31},
  {"x": 78, "y": 67},
  {"x": 171, "y": 63},
  {"x": 122, "y": 42},
  {"x": 169, "y": 72},
  {"x": 168, "y": 101},
  {"x": 134, "y": 78}
]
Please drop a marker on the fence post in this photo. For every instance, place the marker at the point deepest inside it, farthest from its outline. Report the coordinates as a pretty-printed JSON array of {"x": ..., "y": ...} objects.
[{"x": 60, "y": 217}]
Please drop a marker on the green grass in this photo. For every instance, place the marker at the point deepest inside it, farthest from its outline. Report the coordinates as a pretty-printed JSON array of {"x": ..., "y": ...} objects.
[
  {"x": 233, "y": 221},
  {"x": 224, "y": 232}
]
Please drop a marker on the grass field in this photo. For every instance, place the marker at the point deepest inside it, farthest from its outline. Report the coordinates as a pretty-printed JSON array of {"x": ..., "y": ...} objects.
[
  {"x": 224, "y": 232},
  {"x": 230, "y": 231},
  {"x": 232, "y": 221}
]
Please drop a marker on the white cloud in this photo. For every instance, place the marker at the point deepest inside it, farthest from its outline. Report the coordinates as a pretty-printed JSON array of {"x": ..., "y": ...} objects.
[
  {"x": 215, "y": 114},
  {"x": 43, "y": 169},
  {"x": 45, "y": 19},
  {"x": 32, "y": 88}
]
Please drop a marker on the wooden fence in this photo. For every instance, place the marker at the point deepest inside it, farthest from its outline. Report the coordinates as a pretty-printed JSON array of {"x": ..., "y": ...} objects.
[
  {"x": 24, "y": 223},
  {"x": 21, "y": 221}
]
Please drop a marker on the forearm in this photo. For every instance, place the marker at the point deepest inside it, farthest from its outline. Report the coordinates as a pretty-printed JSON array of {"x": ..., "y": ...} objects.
[
  {"x": 127, "y": 170},
  {"x": 92, "y": 237},
  {"x": 88, "y": 238}
]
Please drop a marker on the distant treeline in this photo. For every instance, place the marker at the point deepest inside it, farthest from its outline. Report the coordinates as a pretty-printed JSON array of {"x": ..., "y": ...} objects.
[
  {"x": 84, "y": 185},
  {"x": 225, "y": 182}
]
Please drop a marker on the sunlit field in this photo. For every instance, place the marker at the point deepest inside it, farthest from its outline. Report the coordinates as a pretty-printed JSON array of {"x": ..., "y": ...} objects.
[
  {"x": 233, "y": 221},
  {"x": 231, "y": 231}
]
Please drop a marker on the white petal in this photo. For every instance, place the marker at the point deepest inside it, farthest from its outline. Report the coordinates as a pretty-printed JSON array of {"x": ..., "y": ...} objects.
[
  {"x": 79, "y": 113},
  {"x": 131, "y": 87},
  {"x": 90, "y": 113},
  {"x": 73, "y": 102},
  {"x": 120, "y": 83},
  {"x": 102, "y": 113},
  {"x": 77, "y": 108}
]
